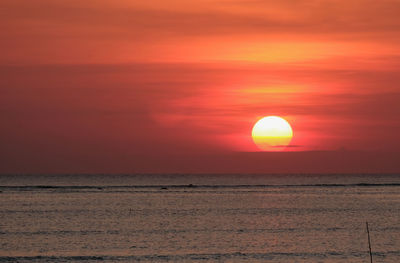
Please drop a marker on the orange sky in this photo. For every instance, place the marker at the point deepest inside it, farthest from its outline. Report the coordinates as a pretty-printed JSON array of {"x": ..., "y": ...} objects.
[{"x": 96, "y": 81}]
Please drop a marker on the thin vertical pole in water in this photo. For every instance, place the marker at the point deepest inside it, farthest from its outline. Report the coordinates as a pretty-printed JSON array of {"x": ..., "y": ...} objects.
[{"x": 369, "y": 243}]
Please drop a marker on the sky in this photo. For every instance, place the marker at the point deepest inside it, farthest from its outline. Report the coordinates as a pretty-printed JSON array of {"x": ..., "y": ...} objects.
[{"x": 176, "y": 86}]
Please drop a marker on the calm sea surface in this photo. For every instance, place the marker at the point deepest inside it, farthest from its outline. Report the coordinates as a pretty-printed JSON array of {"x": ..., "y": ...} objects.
[{"x": 199, "y": 218}]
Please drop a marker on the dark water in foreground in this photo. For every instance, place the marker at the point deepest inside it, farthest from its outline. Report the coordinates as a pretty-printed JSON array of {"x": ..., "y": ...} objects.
[{"x": 221, "y": 218}]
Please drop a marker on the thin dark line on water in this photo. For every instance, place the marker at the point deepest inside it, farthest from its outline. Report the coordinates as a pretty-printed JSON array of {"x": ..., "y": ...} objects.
[{"x": 369, "y": 242}]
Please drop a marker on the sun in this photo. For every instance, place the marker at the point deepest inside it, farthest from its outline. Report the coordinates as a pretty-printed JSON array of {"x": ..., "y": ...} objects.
[{"x": 272, "y": 133}]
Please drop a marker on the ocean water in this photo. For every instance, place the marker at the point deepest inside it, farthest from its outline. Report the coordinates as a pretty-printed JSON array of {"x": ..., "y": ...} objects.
[{"x": 199, "y": 218}]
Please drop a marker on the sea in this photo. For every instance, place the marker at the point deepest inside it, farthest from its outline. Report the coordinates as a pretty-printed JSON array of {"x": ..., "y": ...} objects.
[{"x": 200, "y": 218}]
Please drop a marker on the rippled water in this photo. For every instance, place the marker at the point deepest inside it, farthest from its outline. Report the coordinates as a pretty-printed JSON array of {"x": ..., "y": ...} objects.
[{"x": 292, "y": 218}]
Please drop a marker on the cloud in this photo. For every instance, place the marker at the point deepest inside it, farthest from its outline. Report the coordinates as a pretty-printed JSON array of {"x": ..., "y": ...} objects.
[
  {"x": 208, "y": 102},
  {"x": 223, "y": 17},
  {"x": 102, "y": 32}
]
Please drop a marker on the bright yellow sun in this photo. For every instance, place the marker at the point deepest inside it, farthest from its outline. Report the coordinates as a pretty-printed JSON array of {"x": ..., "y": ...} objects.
[{"x": 272, "y": 133}]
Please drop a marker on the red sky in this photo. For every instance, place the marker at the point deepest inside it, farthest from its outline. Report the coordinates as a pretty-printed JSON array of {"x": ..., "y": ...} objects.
[{"x": 176, "y": 86}]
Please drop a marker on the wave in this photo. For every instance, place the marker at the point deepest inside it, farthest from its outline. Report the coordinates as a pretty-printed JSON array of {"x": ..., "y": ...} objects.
[
  {"x": 202, "y": 257},
  {"x": 190, "y": 186}
]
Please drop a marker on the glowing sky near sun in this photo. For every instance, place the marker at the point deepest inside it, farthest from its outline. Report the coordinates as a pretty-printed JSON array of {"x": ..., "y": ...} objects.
[{"x": 87, "y": 81}]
